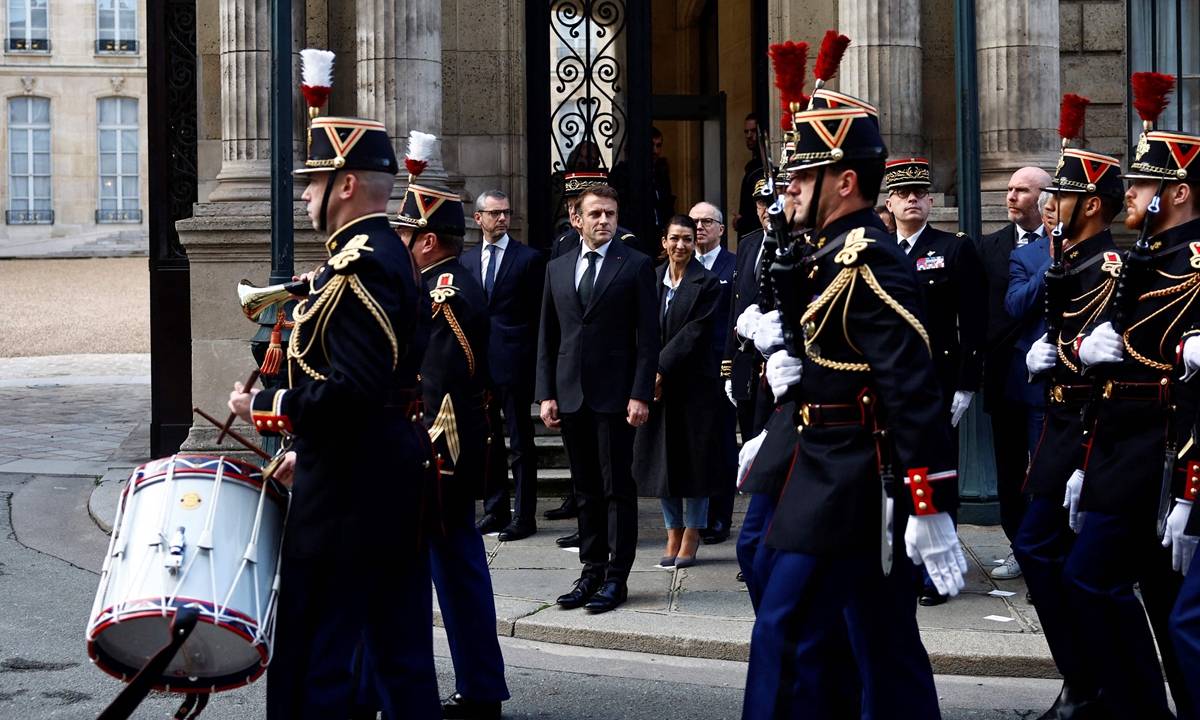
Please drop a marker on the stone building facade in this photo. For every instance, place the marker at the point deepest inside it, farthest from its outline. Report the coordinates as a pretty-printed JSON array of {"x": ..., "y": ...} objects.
[
  {"x": 462, "y": 70},
  {"x": 72, "y": 132}
]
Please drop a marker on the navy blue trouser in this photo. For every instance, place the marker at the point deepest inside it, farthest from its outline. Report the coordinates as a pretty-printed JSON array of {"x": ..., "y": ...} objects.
[
  {"x": 1042, "y": 545},
  {"x": 749, "y": 544},
  {"x": 515, "y": 401},
  {"x": 1111, "y": 553},
  {"x": 464, "y": 592},
  {"x": 802, "y": 601},
  {"x": 326, "y": 607},
  {"x": 1185, "y": 632}
]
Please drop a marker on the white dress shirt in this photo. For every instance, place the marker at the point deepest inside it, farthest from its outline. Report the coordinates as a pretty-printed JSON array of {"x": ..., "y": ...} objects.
[
  {"x": 582, "y": 263},
  {"x": 709, "y": 258},
  {"x": 1038, "y": 234},
  {"x": 497, "y": 252},
  {"x": 912, "y": 241},
  {"x": 671, "y": 288}
]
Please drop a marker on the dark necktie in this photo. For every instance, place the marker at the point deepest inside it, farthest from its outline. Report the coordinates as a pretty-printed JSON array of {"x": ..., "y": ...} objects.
[
  {"x": 905, "y": 244},
  {"x": 588, "y": 280},
  {"x": 489, "y": 282},
  {"x": 1027, "y": 238}
]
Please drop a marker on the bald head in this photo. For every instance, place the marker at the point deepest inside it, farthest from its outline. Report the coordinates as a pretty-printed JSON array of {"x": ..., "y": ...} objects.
[{"x": 1022, "y": 200}]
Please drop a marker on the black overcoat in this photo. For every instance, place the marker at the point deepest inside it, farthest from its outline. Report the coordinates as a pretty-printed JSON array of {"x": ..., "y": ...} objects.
[{"x": 679, "y": 451}]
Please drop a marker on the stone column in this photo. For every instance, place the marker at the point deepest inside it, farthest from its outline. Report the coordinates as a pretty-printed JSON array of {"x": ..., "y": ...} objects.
[
  {"x": 1018, "y": 87},
  {"x": 245, "y": 99},
  {"x": 245, "y": 115},
  {"x": 400, "y": 69},
  {"x": 883, "y": 67}
]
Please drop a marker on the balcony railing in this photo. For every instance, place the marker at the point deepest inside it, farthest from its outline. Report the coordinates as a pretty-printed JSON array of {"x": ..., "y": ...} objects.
[
  {"x": 116, "y": 46},
  {"x": 28, "y": 44},
  {"x": 118, "y": 216},
  {"x": 29, "y": 217}
]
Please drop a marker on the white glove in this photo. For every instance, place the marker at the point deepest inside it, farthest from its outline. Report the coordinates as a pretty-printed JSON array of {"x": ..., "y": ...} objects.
[
  {"x": 1191, "y": 357},
  {"x": 747, "y": 322},
  {"x": 768, "y": 337},
  {"x": 1103, "y": 345},
  {"x": 746, "y": 455},
  {"x": 1041, "y": 357},
  {"x": 729, "y": 391},
  {"x": 959, "y": 405},
  {"x": 1182, "y": 545},
  {"x": 1071, "y": 500},
  {"x": 932, "y": 540},
  {"x": 783, "y": 371}
]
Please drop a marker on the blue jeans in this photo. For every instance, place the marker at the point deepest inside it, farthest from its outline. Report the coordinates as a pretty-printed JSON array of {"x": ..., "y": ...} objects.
[{"x": 697, "y": 513}]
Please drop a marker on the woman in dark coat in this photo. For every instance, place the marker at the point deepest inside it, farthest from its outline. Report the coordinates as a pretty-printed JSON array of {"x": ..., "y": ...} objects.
[{"x": 678, "y": 453}]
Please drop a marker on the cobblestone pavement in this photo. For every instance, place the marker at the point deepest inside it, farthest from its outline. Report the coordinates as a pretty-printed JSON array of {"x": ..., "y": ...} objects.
[{"x": 74, "y": 415}]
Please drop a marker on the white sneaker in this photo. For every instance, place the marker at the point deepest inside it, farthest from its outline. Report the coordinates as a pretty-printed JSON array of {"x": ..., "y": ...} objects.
[{"x": 1008, "y": 570}]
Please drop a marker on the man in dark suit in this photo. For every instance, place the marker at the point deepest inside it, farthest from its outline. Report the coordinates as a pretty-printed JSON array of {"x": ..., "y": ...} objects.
[
  {"x": 1010, "y": 418},
  {"x": 597, "y": 361},
  {"x": 722, "y": 263},
  {"x": 951, "y": 276},
  {"x": 574, "y": 184},
  {"x": 746, "y": 219},
  {"x": 511, "y": 275}
]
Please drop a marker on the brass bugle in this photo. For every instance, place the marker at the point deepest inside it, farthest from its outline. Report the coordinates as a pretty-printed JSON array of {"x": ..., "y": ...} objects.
[{"x": 256, "y": 299}]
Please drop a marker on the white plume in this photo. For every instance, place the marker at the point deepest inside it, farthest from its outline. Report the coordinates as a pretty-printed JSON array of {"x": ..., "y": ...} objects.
[
  {"x": 421, "y": 145},
  {"x": 316, "y": 67}
]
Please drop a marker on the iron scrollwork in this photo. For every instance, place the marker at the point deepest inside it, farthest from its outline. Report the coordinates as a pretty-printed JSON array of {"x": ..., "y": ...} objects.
[
  {"x": 588, "y": 118},
  {"x": 181, "y": 91}
]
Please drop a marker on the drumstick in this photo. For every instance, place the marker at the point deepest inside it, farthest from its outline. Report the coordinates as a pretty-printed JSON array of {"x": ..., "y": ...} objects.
[
  {"x": 233, "y": 416},
  {"x": 233, "y": 434}
]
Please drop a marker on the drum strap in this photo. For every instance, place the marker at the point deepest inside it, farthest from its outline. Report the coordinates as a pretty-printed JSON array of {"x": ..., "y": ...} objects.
[{"x": 138, "y": 688}]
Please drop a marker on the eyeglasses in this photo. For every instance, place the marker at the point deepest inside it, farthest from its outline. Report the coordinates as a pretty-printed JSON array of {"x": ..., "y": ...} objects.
[
  {"x": 918, "y": 193},
  {"x": 706, "y": 222},
  {"x": 493, "y": 214}
]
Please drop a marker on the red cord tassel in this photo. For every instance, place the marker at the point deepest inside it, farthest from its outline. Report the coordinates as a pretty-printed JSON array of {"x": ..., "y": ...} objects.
[{"x": 273, "y": 360}]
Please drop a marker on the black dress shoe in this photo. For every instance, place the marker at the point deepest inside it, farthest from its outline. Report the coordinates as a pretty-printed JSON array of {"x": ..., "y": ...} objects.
[
  {"x": 611, "y": 594},
  {"x": 457, "y": 706},
  {"x": 585, "y": 588},
  {"x": 518, "y": 529},
  {"x": 718, "y": 533},
  {"x": 491, "y": 523},
  {"x": 1074, "y": 703},
  {"x": 929, "y": 597},
  {"x": 740, "y": 577},
  {"x": 566, "y": 511},
  {"x": 571, "y": 540}
]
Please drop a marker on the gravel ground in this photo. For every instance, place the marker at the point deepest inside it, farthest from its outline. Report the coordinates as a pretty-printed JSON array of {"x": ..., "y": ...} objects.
[{"x": 66, "y": 307}]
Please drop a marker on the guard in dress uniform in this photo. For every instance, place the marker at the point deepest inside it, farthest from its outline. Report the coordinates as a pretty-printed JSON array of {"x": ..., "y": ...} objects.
[
  {"x": 1171, "y": 158},
  {"x": 872, "y": 460},
  {"x": 1088, "y": 195},
  {"x": 454, "y": 388},
  {"x": 1138, "y": 443},
  {"x": 354, "y": 564}
]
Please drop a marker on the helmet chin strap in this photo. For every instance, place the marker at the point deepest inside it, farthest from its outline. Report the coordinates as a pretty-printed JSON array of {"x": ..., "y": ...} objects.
[
  {"x": 325, "y": 201},
  {"x": 1070, "y": 227},
  {"x": 816, "y": 200}
]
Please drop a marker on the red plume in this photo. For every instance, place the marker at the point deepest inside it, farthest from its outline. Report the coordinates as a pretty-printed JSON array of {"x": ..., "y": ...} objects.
[
  {"x": 1150, "y": 91},
  {"x": 790, "y": 61},
  {"x": 415, "y": 167},
  {"x": 833, "y": 47},
  {"x": 316, "y": 95},
  {"x": 1073, "y": 110}
]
